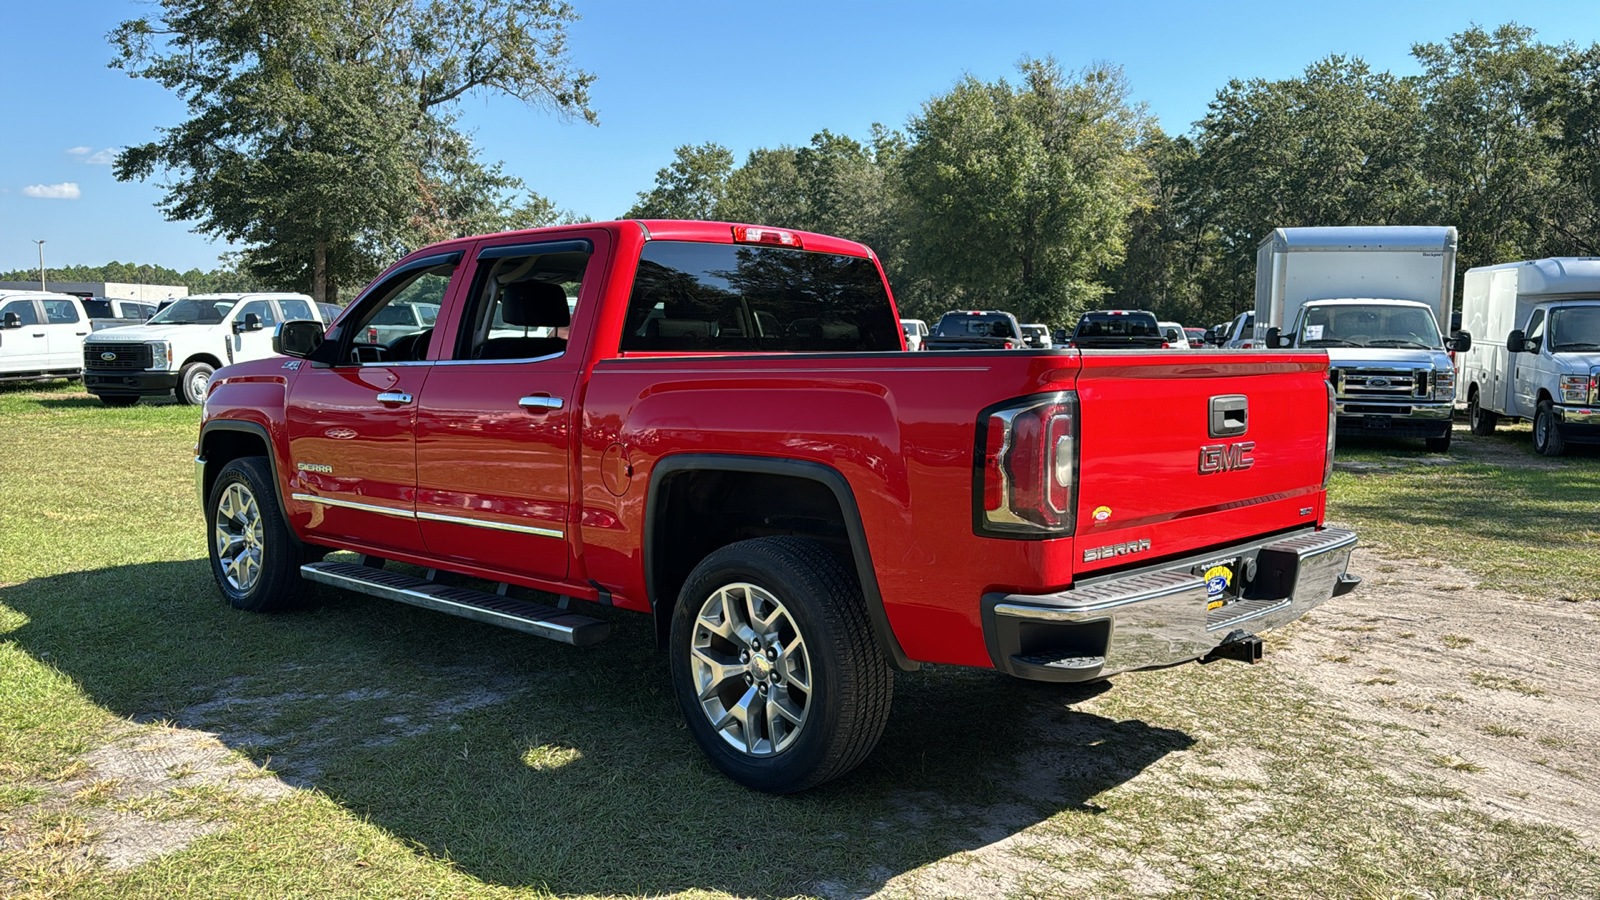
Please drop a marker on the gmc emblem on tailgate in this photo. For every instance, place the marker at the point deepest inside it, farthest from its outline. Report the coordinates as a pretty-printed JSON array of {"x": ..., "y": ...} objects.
[{"x": 1226, "y": 457}]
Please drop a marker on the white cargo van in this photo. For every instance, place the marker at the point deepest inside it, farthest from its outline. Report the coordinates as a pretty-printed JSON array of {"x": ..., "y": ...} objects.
[
  {"x": 1536, "y": 350},
  {"x": 176, "y": 352},
  {"x": 1374, "y": 298}
]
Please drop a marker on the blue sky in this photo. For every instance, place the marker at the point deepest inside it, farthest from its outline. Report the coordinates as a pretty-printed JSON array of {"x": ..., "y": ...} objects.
[{"x": 744, "y": 74}]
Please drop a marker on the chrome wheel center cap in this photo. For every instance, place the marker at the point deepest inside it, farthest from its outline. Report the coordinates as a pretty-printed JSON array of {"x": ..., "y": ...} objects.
[{"x": 759, "y": 667}]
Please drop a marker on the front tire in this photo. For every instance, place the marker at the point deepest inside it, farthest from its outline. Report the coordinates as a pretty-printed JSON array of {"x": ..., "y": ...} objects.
[
  {"x": 254, "y": 557},
  {"x": 1482, "y": 421},
  {"x": 776, "y": 666},
  {"x": 1547, "y": 437},
  {"x": 192, "y": 383}
]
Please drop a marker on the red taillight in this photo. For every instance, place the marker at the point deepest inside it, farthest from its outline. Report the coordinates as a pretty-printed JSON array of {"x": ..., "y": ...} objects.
[
  {"x": 1029, "y": 467},
  {"x": 372, "y": 335},
  {"x": 751, "y": 234},
  {"x": 1166, "y": 346},
  {"x": 1009, "y": 346}
]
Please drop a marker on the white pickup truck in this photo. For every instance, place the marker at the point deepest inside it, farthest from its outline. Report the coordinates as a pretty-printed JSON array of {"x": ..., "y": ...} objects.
[
  {"x": 42, "y": 333},
  {"x": 177, "y": 350}
]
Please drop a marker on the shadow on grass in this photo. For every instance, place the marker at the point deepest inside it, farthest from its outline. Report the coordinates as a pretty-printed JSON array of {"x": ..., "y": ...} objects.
[{"x": 531, "y": 763}]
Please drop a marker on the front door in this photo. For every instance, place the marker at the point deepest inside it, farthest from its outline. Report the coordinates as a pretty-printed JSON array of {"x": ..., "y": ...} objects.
[
  {"x": 24, "y": 349},
  {"x": 248, "y": 345},
  {"x": 495, "y": 428},
  {"x": 1525, "y": 375},
  {"x": 352, "y": 425}
]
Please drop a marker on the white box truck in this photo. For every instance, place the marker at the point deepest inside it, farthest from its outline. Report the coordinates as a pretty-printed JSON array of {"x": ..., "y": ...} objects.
[
  {"x": 1373, "y": 297},
  {"x": 1536, "y": 349}
]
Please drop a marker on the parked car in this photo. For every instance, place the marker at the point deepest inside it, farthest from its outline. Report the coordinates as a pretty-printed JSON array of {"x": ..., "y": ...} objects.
[
  {"x": 330, "y": 311},
  {"x": 1196, "y": 336},
  {"x": 399, "y": 320},
  {"x": 1173, "y": 335},
  {"x": 1372, "y": 298},
  {"x": 976, "y": 329},
  {"x": 1535, "y": 349},
  {"x": 1117, "y": 329},
  {"x": 785, "y": 549},
  {"x": 915, "y": 331},
  {"x": 176, "y": 352},
  {"x": 42, "y": 334},
  {"x": 116, "y": 308},
  {"x": 1241, "y": 332},
  {"x": 1037, "y": 336}
]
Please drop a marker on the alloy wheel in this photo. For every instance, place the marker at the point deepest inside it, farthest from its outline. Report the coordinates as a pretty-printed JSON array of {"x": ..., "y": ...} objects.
[
  {"x": 751, "y": 672},
  {"x": 238, "y": 537}
]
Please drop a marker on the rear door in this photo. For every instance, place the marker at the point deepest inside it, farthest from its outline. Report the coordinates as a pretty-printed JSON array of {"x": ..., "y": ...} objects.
[
  {"x": 1189, "y": 454},
  {"x": 65, "y": 328},
  {"x": 497, "y": 419},
  {"x": 352, "y": 425}
]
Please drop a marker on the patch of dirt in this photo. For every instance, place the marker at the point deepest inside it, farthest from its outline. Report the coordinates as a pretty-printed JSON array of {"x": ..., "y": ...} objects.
[
  {"x": 1502, "y": 690},
  {"x": 127, "y": 800}
]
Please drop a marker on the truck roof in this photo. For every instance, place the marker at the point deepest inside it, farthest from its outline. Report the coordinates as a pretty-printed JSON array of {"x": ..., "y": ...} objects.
[
  {"x": 667, "y": 230},
  {"x": 1364, "y": 301},
  {"x": 255, "y": 295},
  {"x": 1363, "y": 237},
  {"x": 1553, "y": 276}
]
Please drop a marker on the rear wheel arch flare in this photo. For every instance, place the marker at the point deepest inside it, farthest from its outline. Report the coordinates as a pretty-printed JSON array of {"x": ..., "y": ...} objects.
[{"x": 795, "y": 487}]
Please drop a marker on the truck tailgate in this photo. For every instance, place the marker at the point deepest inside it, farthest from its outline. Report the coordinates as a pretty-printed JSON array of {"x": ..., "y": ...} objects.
[{"x": 1158, "y": 478}]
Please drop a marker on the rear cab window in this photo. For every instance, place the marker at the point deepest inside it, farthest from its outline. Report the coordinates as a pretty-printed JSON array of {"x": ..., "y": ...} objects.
[{"x": 740, "y": 298}]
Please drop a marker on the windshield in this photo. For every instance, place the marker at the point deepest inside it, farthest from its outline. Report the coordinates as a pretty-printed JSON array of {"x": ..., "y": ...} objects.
[
  {"x": 1374, "y": 325},
  {"x": 195, "y": 311},
  {"x": 1575, "y": 328}
]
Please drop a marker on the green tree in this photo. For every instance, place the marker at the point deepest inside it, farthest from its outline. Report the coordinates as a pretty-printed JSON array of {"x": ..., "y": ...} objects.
[
  {"x": 1338, "y": 145},
  {"x": 1568, "y": 107},
  {"x": 320, "y": 133},
  {"x": 689, "y": 188},
  {"x": 1490, "y": 161},
  {"x": 1020, "y": 194}
]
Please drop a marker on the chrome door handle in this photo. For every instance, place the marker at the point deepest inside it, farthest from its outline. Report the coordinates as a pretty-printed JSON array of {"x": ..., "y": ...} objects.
[
  {"x": 537, "y": 402},
  {"x": 394, "y": 397}
]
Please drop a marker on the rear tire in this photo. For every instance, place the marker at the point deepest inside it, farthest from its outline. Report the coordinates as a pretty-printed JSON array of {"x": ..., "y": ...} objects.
[
  {"x": 192, "y": 383},
  {"x": 1481, "y": 420},
  {"x": 1547, "y": 437},
  {"x": 776, "y": 666},
  {"x": 254, "y": 557},
  {"x": 118, "y": 401}
]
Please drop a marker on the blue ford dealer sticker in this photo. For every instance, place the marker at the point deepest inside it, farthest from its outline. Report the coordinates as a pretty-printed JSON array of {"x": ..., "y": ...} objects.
[{"x": 1217, "y": 580}]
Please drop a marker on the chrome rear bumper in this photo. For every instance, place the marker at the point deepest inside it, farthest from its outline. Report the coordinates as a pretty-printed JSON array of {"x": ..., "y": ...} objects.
[{"x": 1158, "y": 615}]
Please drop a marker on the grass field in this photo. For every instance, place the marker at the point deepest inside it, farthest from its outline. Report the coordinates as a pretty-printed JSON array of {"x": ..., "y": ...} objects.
[{"x": 427, "y": 756}]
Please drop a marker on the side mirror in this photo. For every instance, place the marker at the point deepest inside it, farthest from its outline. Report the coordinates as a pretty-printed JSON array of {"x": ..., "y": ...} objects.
[
  {"x": 1516, "y": 342},
  {"x": 296, "y": 338},
  {"x": 1461, "y": 343},
  {"x": 12, "y": 320},
  {"x": 247, "y": 322},
  {"x": 1275, "y": 338}
]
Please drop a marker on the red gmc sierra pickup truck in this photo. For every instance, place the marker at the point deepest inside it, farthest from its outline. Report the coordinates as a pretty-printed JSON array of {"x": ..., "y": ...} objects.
[{"x": 716, "y": 425}]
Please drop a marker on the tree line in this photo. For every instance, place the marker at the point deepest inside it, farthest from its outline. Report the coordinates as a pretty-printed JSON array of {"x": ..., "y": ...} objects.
[
  {"x": 322, "y": 137},
  {"x": 224, "y": 278},
  {"x": 1055, "y": 192}
]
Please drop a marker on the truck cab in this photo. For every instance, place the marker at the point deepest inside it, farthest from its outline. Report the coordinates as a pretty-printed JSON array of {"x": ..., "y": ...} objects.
[
  {"x": 178, "y": 349},
  {"x": 41, "y": 335},
  {"x": 1538, "y": 356},
  {"x": 1387, "y": 363}
]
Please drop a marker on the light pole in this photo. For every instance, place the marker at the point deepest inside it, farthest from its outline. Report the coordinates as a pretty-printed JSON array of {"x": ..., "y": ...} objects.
[{"x": 41, "y": 264}]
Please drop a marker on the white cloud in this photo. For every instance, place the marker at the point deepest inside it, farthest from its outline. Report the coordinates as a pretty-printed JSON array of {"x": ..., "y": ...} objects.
[
  {"x": 66, "y": 190},
  {"x": 79, "y": 151},
  {"x": 104, "y": 158}
]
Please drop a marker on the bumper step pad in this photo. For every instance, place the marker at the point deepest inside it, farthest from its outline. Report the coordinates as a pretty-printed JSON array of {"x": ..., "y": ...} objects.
[{"x": 480, "y": 606}]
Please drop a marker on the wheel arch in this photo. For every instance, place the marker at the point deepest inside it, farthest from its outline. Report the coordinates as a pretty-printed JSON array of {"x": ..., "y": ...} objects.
[
  {"x": 203, "y": 357},
  {"x": 670, "y": 505},
  {"x": 224, "y": 440}
]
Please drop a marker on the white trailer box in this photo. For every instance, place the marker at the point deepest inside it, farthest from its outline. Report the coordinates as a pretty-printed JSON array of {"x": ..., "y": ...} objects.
[
  {"x": 1377, "y": 299},
  {"x": 1535, "y": 352}
]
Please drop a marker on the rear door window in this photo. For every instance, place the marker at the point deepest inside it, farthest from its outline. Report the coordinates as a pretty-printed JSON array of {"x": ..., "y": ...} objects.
[
  {"x": 739, "y": 298},
  {"x": 60, "y": 312}
]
